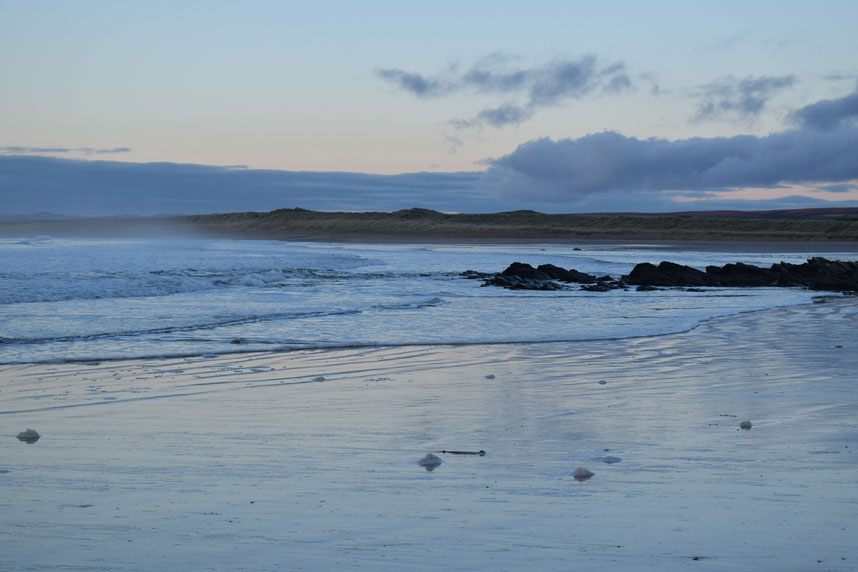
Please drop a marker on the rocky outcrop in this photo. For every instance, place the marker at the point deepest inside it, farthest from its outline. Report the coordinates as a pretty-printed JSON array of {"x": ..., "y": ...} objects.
[
  {"x": 816, "y": 274},
  {"x": 666, "y": 274},
  {"x": 821, "y": 274},
  {"x": 520, "y": 276},
  {"x": 563, "y": 275},
  {"x": 29, "y": 436}
]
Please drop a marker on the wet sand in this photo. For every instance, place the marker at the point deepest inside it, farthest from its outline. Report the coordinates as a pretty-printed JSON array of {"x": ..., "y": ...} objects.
[{"x": 309, "y": 460}]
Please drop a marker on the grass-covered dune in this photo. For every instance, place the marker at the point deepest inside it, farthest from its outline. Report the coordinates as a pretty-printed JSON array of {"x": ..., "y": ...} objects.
[{"x": 415, "y": 224}]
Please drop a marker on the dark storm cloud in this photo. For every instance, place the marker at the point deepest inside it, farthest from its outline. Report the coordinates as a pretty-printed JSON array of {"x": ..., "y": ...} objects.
[
  {"x": 829, "y": 113},
  {"x": 744, "y": 98},
  {"x": 570, "y": 169},
  {"x": 536, "y": 87}
]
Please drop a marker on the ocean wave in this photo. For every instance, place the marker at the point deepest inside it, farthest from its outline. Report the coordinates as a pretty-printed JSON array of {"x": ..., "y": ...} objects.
[
  {"x": 209, "y": 325},
  {"x": 221, "y": 323},
  {"x": 213, "y": 347},
  {"x": 430, "y": 303},
  {"x": 51, "y": 287}
]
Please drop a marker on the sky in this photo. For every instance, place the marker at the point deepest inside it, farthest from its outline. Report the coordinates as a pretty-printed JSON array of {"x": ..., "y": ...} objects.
[{"x": 206, "y": 106}]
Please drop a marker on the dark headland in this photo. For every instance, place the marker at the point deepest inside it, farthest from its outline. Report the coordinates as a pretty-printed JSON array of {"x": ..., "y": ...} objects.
[{"x": 824, "y": 225}]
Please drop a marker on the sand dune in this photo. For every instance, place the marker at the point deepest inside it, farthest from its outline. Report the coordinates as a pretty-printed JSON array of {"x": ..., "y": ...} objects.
[{"x": 804, "y": 225}]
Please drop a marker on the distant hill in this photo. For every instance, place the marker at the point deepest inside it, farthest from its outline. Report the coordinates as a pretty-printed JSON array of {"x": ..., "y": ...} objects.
[
  {"x": 35, "y": 217},
  {"x": 785, "y": 214},
  {"x": 829, "y": 224}
]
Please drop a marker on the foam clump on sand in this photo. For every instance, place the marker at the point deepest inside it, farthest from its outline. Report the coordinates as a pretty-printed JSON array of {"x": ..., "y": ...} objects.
[
  {"x": 582, "y": 474},
  {"x": 28, "y": 436},
  {"x": 746, "y": 425},
  {"x": 430, "y": 460}
]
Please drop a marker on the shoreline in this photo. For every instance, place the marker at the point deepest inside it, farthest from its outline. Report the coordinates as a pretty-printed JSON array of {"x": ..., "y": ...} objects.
[
  {"x": 821, "y": 297},
  {"x": 310, "y": 458}
]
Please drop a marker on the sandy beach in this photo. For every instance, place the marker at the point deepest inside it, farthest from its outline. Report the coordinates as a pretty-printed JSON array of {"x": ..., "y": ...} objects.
[{"x": 309, "y": 460}]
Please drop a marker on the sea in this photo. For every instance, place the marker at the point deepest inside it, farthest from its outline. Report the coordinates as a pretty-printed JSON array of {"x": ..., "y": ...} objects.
[{"x": 66, "y": 299}]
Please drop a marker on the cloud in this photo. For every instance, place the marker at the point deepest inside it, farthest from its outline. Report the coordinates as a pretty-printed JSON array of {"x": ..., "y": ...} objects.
[
  {"x": 839, "y": 188},
  {"x": 91, "y": 151},
  {"x": 526, "y": 89},
  {"x": 496, "y": 117},
  {"x": 744, "y": 98},
  {"x": 828, "y": 113},
  {"x": 573, "y": 169},
  {"x": 31, "y": 184},
  {"x": 18, "y": 150},
  {"x": 725, "y": 43},
  {"x": 413, "y": 83}
]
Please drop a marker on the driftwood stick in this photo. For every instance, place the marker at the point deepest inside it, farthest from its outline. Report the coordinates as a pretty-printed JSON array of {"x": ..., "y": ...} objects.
[{"x": 480, "y": 453}]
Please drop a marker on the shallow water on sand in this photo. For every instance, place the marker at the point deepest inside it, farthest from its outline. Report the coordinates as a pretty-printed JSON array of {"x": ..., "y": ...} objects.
[{"x": 310, "y": 460}]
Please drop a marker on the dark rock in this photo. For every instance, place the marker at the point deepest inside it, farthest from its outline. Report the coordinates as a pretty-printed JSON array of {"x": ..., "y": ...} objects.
[
  {"x": 820, "y": 274},
  {"x": 563, "y": 275},
  {"x": 598, "y": 287},
  {"x": 646, "y": 288},
  {"x": 741, "y": 275},
  {"x": 582, "y": 474},
  {"x": 521, "y": 276},
  {"x": 430, "y": 462},
  {"x": 29, "y": 436},
  {"x": 604, "y": 284},
  {"x": 666, "y": 274},
  {"x": 522, "y": 270},
  {"x": 474, "y": 275},
  {"x": 518, "y": 283},
  {"x": 817, "y": 274}
]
